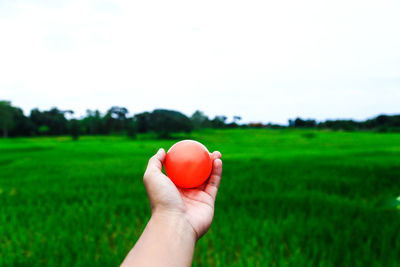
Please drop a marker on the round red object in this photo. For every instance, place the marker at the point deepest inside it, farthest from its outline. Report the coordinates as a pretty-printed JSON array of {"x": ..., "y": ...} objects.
[{"x": 188, "y": 164}]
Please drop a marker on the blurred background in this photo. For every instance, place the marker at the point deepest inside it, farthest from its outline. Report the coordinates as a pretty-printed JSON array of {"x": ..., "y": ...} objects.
[{"x": 301, "y": 97}]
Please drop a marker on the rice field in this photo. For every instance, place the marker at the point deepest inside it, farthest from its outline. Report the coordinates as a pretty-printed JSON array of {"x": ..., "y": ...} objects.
[{"x": 287, "y": 198}]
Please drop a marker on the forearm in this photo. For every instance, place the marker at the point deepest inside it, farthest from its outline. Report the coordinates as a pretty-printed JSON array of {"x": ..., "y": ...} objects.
[{"x": 167, "y": 240}]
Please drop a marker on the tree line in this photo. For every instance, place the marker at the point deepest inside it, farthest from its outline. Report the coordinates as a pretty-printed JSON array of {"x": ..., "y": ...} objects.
[
  {"x": 381, "y": 123},
  {"x": 163, "y": 122},
  {"x": 54, "y": 122}
]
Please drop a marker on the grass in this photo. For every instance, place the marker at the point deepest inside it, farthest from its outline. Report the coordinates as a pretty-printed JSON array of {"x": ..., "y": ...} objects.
[{"x": 287, "y": 198}]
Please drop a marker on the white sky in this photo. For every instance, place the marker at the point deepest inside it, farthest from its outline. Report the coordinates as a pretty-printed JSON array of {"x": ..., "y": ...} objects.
[{"x": 264, "y": 60}]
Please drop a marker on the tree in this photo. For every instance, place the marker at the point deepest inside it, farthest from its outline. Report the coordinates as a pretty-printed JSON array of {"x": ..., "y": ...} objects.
[
  {"x": 132, "y": 128},
  {"x": 235, "y": 122},
  {"x": 300, "y": 123},
  {"x": 382, "y": 120},
  {"x": 219, "y": 122},
  {"x": 74, "y": 129},
  {"x": 142, "y": 122},
  {"x": 199, "y": 120},
  {"x": 6, "y": 117},
  {"x": 347, "y": 125},
  {"x": 119, "y": 113},
  {"x": 115, "y": 119},
  {"x": 23, "y": 126},
  {"x": 164, "y": 122},
  {"x": 43, "y": 130},
  {"x": 236, "y": 119},
  {"x": 93, "y": 123},
  {"x": 53, "y": 119}
]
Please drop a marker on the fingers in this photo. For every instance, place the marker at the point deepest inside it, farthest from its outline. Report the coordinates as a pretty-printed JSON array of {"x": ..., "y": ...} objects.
[
  {"x": 215, "y": 178},
  {"x": 156, "y": 162},
  {"x": 214, "y": 155}
]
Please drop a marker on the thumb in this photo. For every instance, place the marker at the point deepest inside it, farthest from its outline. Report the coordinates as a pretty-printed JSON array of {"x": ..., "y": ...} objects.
[{"x": 156, "y": 162}]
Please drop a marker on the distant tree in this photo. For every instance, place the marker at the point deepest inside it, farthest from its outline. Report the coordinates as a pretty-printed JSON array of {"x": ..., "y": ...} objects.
[
  {"x": 346, "y": 125},
  {"x": 236, "y": 119},
  {"x": 74, "y": 129},
  {"x": 164, "y": 122},
  {"x": 115, "y": 119},
  {"x": 119, "y": 113},
  {"x": 58, "y": 124},
  {"x": 396, "y": 121},
  {"x": 219, "y": 122},
  {"x": 22, "y": 125},
  {"x": 142, "y": 122},
  {"x": 132, "y": 128},
  {"x": 256, "y": 125},
  {"x": 232, "y": 125},
  {"x": 274, "y": 126},
  {"x": 382, "y": 120},
  {"x": 235, "y": 122},
  {"x": 53, "y": 119},
  {"x": 199, "y": 120},
  {"x": 13, "y": 122},
  {"x": 109, "y": 122},
  {"x": 300, "y": 123},
  {"x": 311, "y": 123},
  {"x": 6, "y": 117},
  {"x": 43, "y": 130},
  {"x": 383, "y": 123},
  {"x": 68, "y": 111},
  {"x": 93, "y": 123}
]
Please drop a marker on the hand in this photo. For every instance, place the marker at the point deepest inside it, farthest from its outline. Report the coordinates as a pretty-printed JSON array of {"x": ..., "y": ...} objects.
[{"x": 194, "y": 206}]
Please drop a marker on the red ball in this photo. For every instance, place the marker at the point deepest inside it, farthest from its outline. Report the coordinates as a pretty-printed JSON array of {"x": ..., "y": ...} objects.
[{"x": 188, "y": 164}]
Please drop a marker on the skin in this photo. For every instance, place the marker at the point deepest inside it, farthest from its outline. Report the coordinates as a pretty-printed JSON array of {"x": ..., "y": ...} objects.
[{"x": 179, "y": 217}]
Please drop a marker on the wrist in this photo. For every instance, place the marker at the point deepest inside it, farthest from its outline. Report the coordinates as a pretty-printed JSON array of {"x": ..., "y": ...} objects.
[
  {"x": 167, "y": 240},
  {"x": 175, "y": 224}
]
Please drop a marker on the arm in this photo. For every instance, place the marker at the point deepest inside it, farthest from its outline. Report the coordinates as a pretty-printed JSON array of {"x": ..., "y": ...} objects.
[{"x": 179, "y": 217}]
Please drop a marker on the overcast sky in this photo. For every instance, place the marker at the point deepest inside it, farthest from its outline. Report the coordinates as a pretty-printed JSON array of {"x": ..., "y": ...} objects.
[{"x": 264, "y": 60}]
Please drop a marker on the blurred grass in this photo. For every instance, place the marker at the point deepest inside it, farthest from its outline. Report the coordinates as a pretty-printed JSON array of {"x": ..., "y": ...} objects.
[{"x": 287, "y": 198}]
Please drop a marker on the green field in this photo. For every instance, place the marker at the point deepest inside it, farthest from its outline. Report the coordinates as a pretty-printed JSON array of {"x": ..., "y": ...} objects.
[{"x": 287, "y": 198}]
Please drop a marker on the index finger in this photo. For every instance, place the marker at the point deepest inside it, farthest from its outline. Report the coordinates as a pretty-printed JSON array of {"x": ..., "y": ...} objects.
[{"x": 215, "y": 179}]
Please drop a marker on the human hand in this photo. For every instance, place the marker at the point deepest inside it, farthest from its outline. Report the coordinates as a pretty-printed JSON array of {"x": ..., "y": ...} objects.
[{"x": 194, "y": 206}]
